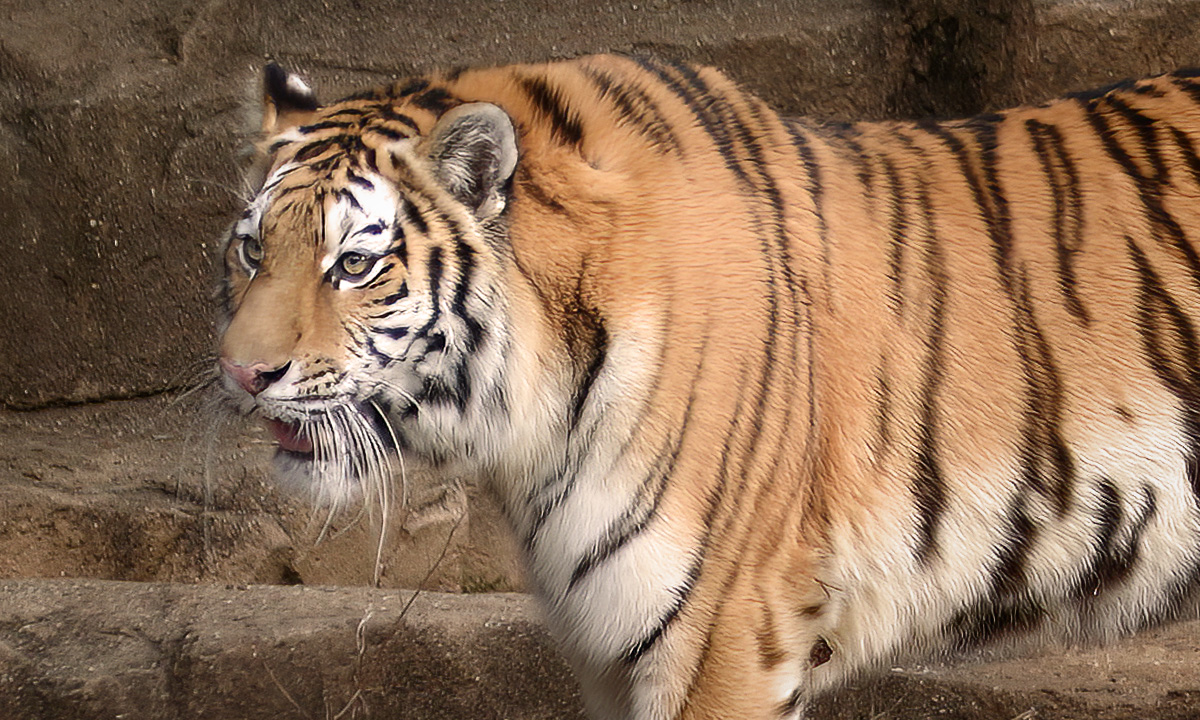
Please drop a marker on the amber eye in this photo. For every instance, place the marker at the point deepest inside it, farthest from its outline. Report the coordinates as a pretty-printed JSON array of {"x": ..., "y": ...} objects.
[
  {"x": 252, "y": 252},
  {"x": 353, "y": 266}
]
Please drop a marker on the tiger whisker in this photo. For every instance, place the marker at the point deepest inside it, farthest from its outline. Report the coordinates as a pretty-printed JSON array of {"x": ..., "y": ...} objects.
[{"x": 399, "y": 456}]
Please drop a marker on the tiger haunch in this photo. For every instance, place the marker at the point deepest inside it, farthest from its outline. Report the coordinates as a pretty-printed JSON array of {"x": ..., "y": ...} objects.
[{"x": 767, "y": 402}]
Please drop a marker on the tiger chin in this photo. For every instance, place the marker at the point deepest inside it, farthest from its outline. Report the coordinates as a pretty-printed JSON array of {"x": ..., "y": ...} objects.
[{"x": 768, "y": 402}]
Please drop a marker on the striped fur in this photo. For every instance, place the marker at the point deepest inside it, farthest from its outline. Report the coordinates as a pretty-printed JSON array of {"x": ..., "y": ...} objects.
[{"x": 767, "y": 401}]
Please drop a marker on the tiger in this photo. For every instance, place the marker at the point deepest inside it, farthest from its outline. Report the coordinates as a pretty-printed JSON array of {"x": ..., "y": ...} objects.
[{"x": 768, "y": 402}]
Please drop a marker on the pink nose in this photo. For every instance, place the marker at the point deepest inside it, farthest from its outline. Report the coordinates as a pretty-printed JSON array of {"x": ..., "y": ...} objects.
[{"x": 255, "y": 377}]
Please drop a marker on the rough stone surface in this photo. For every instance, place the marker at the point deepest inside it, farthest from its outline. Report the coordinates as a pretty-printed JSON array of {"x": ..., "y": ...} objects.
[
  {"x": 174, "y": 491},
  {"x": 85, "y": 649},
  {"x": 121, "y": 127}
]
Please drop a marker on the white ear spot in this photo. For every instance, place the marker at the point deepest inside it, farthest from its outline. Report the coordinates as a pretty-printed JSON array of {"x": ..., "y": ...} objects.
[
  {"x": 296, "y": 86},
  {"x": 474, "y": 152},
  {"x": 285, "y": 92}
]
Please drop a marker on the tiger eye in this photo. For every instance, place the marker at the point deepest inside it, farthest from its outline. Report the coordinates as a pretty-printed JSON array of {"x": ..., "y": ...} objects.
[
  {"x": 252, "y": 251},
  {"x": 355, "y": 264}
]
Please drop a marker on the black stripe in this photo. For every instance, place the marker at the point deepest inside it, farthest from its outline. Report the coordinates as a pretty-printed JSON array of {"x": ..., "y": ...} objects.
[
  {"x": 436, "y": 100},
  {"x": 711, "y": 503},
  {"x": 414, "y": 217},
  {"x": 394, "y": 297},
  {"x": 438, "y": 390},
  {"x": 816, "y": 191},
  {"x": 447, "y": 388},
  {"x": 636, "y": 109},
  {"x": 599, "y": 348},
  {"x": 987, "y": 193},
  {"x": 638, "y": 514},
  {"x": 898, "y": 236},
  {"x": 326, "y": 125},
  {"x": 1146, "y": 129},
  {"x": 1048, "y": 466},
  {"x": 1184, "y": 145},
  {"x": 376, "y": 352},
  {"x": 277, "y": 177},
  {"x": 1047, "y": 462},
  {"x": 387, "y": 112},
  {"x": 564, "y": 123},
  {"x": 1169, "y": 344},
  {"x": 389, "y": 133},
  {"x": 1166, "y": 229},
  {"x": 749, "y": 136},
  {"x": 1008, "y": 577},
  {"x": 1188, "y": 87},
  {"x": 853, "y": 153},
  {"x": 415, "y": 85},
  {"x": 637, "y": 649},
  {"x": 343, "y": 142},
  {"x": 767, "y": 640},
  {"x": 985, "y": 621},
  {"x": 793, "y": 702},
  {"x": 590, "y": 347},
  {"x": 1063, "y": 181},
  {"x": 435, "y": 342},
  {"x": 348, "y": 196},
  {"x": 433, "y": 268},
  {"x": 1113, "y": 561},
  {"x": 356, "y": 179},
  {"x": 383, "y": 279},
  {"x": 633, "y": 521},
  {"x": 465, "y": 257},
  {"x": 371, "y": 160},
  {"x": 929, "y": 484}
]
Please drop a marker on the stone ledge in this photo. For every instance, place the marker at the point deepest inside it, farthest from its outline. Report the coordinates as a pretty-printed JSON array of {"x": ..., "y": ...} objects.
[{"x": 83, "y": 649}]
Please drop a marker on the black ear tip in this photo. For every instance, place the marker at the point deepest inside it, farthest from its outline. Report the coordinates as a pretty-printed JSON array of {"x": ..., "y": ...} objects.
[
  {"x": 274, "y": 78},
  {"x": 286, "y": 90}
]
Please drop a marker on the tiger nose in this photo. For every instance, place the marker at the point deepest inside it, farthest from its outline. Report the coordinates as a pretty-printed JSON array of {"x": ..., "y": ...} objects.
[{"x": 255, "y": 377}]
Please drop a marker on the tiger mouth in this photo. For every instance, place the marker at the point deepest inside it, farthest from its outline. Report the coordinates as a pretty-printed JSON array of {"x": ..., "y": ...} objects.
[{"x": 290, "y": 437}]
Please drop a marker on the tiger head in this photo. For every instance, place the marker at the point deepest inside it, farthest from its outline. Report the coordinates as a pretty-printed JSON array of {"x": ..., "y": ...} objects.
[{"x": 362, "y": 310}]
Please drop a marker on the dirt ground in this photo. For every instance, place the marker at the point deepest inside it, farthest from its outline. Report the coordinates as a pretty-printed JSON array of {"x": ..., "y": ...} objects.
[{"x": 149, "y": 567}]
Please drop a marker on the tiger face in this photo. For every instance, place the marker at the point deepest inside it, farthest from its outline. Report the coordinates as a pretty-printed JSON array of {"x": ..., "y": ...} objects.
[{"x": 357, "y": 288}]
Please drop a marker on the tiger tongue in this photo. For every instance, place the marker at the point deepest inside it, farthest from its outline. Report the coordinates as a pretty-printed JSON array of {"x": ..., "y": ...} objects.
[{"x": 289, "y": 437}]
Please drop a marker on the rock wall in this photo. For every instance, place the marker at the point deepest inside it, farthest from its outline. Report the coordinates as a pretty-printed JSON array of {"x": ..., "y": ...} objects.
[{"x": 122, "y": 122}]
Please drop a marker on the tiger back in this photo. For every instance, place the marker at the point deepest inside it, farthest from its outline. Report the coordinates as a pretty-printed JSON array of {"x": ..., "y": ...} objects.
[{"x": 768, "y": 402}]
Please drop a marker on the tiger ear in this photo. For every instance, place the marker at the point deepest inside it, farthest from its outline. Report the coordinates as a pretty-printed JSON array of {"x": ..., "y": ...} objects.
[
  {"x": 474, "y": 152},
  {"x": 287, "y": 100}
]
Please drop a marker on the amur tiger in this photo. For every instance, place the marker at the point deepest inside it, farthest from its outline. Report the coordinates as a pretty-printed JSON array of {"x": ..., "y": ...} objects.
[{"x": 767, "y": 401}]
